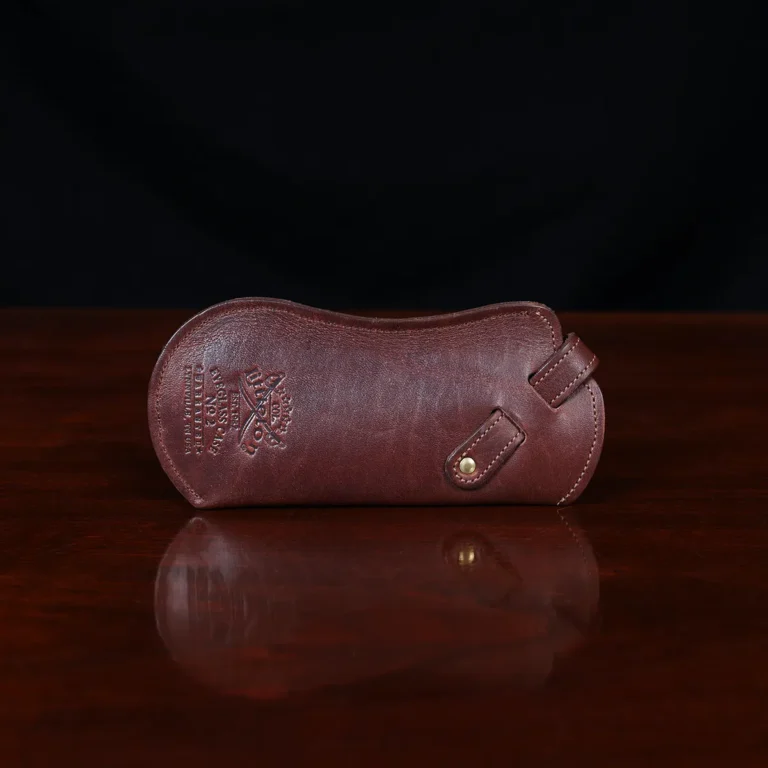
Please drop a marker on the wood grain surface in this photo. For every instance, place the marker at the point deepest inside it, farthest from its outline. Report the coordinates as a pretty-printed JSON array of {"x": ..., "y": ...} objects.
[{"x": 630, "y": 630}]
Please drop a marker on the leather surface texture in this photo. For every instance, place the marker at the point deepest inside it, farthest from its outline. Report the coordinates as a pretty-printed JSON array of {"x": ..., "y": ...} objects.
[{"x": 264, "y": 402}]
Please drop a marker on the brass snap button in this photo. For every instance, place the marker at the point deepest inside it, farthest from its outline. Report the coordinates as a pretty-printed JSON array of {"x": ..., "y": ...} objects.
[{"x": 467, "y": 465}]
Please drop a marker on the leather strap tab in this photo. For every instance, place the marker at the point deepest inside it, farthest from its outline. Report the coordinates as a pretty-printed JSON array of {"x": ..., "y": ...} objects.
[
  {"x": 485, "y": 451},
  {"x": 565, "y": 371}
]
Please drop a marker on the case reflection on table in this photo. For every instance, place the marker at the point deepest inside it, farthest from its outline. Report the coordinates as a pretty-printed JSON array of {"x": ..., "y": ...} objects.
[{"x": 268, "y": 606}]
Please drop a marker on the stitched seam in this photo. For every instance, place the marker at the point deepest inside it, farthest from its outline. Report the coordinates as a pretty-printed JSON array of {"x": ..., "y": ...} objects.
[
  {"x": 480, "y": 436},
  {"x": 315, "y": 321},
  {"x": 194, "y": 493},
  {"x": 551, "y": 328},
  {"x": 368, "y": 329},
  {"x": 578, "y": 376},
  {"x": 589, "y": 455},
  {"x": 578, "y": 341},
  {"x": 495, "y": 459}
]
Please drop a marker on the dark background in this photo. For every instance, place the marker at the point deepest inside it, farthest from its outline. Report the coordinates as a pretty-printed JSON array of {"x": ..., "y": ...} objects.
[{"x": 595, "y": 155}]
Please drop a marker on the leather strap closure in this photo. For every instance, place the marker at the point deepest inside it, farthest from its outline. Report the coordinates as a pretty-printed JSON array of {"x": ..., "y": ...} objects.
[
  {"x": 484, "y": 452},
  {"x": 565, "y": 371}
]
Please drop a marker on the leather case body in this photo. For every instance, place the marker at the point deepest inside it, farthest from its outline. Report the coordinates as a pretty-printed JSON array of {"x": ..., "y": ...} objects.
[{"x": 266, "y": 402}]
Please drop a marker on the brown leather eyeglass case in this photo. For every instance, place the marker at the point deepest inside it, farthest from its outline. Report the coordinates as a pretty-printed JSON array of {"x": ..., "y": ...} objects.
[{"x": 267, "y": 402}]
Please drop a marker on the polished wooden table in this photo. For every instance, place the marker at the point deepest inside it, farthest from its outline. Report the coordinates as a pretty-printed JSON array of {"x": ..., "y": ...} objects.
[{"x": 631, "y": 630}]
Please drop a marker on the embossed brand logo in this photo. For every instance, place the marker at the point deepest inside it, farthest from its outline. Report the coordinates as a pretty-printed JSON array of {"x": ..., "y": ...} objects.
[
  {"x": 265, "y": 396},
  {"x": 219, "y": 408}
]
